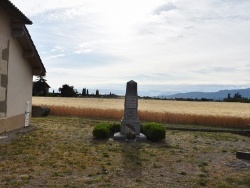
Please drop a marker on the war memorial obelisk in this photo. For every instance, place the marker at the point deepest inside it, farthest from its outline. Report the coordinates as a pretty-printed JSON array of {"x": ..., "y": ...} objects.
[{"x": 130, "y": 122}]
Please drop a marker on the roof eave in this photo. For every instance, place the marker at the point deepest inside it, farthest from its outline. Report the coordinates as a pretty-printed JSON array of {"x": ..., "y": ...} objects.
[
  {"x": 16, "y": 14},
  {"x": 20, "y": 32}
]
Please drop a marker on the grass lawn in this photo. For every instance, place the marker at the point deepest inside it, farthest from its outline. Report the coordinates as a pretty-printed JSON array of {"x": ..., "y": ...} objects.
[{"x": 61, "y": 152}]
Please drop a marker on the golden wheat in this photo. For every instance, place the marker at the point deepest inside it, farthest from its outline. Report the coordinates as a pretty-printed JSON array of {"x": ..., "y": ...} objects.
[
  {"x": 97, "y": 103},
  {"x": 202, "y": 113}
]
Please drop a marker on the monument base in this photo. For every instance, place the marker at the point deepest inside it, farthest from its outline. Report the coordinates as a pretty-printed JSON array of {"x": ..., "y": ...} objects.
[{"x": 122, "y": 137}]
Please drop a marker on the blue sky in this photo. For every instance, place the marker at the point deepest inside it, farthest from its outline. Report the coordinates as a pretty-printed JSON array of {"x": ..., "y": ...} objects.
[{"x": 165, "y": 46}]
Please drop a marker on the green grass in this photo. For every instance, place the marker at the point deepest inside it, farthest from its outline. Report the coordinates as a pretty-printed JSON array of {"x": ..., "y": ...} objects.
[{"x": 61, "y": 152}]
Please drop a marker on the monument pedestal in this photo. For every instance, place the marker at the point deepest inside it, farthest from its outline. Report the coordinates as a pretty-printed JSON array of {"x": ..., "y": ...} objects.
[
  {"x": 122, "y": 137},
  {"x": 130, "y": 124}
]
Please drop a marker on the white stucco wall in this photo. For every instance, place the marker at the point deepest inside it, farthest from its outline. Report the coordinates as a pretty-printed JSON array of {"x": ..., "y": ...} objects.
[
  {"x": 15, "y": 78},
  {"x": 19, "y": 80}
]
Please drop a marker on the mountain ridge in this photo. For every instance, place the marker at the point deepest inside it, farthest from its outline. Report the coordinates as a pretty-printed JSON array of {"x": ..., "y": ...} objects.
[{"x": 219, "y": 95}]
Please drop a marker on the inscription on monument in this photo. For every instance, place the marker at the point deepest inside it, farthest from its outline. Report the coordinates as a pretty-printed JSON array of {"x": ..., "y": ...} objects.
[{"x": 131, "y": 102}]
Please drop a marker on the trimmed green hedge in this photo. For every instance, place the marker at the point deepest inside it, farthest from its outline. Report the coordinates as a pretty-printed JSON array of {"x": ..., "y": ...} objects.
[
  {"x": 105, "y": 130},
  {"x": 101, "y": 131},
  {"x": 114, "y": 128},
  {"x": 153, "y": 131}
]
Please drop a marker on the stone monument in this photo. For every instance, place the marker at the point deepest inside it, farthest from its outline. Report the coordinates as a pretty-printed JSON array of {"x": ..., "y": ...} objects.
[{"x": 130, "y": 124}]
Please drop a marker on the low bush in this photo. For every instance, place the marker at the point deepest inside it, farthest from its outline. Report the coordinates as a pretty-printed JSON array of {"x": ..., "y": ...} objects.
[
  {"x": 115, "y": 127},
  {"x": 101, "y": 131},
  {"x": 154, "y": 131},
  {"x": 104, "y": 130}
]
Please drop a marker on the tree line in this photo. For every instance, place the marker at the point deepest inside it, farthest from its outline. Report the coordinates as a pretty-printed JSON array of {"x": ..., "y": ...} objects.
[
  {"x": 41, "y": 88},
  {"x": 236, "y": 98}
]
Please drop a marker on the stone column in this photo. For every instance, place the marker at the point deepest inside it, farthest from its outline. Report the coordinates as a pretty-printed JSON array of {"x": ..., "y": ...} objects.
[
  {"x": 4, "y": 58},
  {"x": 130, "y": 122}
]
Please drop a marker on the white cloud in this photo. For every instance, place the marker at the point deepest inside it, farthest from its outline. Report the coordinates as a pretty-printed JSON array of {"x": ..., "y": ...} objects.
[
  {"x": 104, "y": 42},
  {"x": 165, "y": 8}
]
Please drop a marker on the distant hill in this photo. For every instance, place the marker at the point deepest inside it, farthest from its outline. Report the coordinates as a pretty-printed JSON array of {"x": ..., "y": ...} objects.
[{"x": 219, "y": 95}]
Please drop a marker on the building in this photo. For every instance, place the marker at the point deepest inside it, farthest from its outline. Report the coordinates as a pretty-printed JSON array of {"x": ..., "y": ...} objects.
[{"x": 19, "y": 61}]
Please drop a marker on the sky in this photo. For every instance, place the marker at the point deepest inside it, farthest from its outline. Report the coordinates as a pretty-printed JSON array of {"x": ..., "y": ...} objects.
[{"x": 166, "y": 46}]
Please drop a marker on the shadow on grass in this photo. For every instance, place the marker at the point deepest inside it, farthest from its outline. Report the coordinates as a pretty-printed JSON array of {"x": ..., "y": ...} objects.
[{"x": 131, "y": 160}]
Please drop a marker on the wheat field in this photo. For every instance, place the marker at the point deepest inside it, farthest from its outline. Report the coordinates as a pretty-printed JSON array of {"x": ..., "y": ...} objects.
[{"x": 186, "y": 112}]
